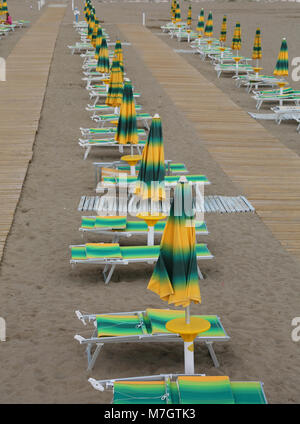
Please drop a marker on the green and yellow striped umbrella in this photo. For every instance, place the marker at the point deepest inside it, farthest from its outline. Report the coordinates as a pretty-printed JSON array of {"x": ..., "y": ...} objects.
[
  {"x": 98, "y": 42},
  {"x": 257, "y": 51},
  {"x": 91, "y": 26},
  {"x": 127, "y": 127},
  {"x": 189, "y": 16},
  {"x": 282, "y": 64},
  {"x": 119, "y": 54},
  {"x": 200, "y": 24},
  {"x": 115, "y": 89},
  {"x": 175, "y": 277},
  {"x": 208, "y": 31},
  {"x": 152, "y": 165},
  {"x": 237, "y": 39},
  {"x": 223, "y": 32},
  {"x": 177, "y": 13},
  {"x": 94, "y": 34},
  {"x": 173, "y": 9},
  {"x": 103, "y": 59},
  {"x": 4, "y": 8}
]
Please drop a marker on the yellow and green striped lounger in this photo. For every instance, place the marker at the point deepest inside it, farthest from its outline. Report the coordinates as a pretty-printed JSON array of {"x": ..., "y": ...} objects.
[
  {"x": 100, "y": 93},
  {"x": 291, "y": 96},
  {"x": 87, "y": 144},
  {"x": 195, "y": 389},
  {"x": 101, "y": 119},
  {"x": 118, "y": 226},
  {"x": 228, "y": 67},
  {"x": 130, "y": 180},
  {"x": 112, "y": 254},
  {"x": 104, "y": 108},
  {"x": 88, "y": 132},
  {"x": 143, "y": 326}
]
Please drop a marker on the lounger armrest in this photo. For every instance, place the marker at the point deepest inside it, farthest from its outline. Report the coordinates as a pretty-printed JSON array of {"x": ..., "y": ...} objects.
[
  {"x": 96, "y": 384},
  {"x": 79, "y": 338},
  {"x": 80, "y": 317}
]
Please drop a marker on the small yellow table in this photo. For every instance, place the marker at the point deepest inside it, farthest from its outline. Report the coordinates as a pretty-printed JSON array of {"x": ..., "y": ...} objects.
[
  {"x": 151, "y": 220},
  {"x": 188, "y": 332},
  {"x": 132, "y": 160}
]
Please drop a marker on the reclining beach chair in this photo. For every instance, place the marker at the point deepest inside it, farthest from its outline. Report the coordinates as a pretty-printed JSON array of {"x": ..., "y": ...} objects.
[
  {"x": 287, "y": 113},
  {"x": 101, "y": 94},
  {"x": 119, "y": 226},
  {"x": 118, "y": 180},
  {"x": 88, "y": 144},
  {"x": 89, "y": 132},
  {"x": 194, "y": 389},
  {"x": 292, "y": 96},
  {"x": 112, "y": 254},
  {"x": 81, "y": 47},
  {"x": 102, "y": 119},
  {"x": 140, "y": 327},
  {"x": 243, "y": 68}
]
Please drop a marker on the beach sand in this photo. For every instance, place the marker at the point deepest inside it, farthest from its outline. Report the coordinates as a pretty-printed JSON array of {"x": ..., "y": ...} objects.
[{"x": 252, "y": 283}]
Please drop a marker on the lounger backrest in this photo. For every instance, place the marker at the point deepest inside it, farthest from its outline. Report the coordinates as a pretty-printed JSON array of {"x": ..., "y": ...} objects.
[
  {"x": 111, "y": 222},
  {"x": 135, "y": 392},
  {"x": 205, "y": 390},
  {"x": 103, "y": 250},
  {"x": 119, "y": 325},
  {"x": 248, "y": 392}
]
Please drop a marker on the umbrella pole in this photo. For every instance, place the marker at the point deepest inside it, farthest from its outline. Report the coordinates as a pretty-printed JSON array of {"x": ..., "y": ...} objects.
[{"x": 189, "y": 367}]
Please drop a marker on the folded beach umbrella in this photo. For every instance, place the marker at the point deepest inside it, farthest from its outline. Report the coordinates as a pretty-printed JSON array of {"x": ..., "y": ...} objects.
[
  {"x": 282, "y": 64},
  {"x": 4, "y": 7},
  {"x": 119, "y": 54},
  {"x": 257, "y": 51},
  {"x": 223, "y": 30},
  {"x": 208, "y": 31},
  {"x": 103, "y": 59},
  {"x": 94, "y": 34},
  {"x": 98, "y": 42},
  {"x": 175, "y": 277},
  {"x": 177, "y": 13},
  {"x": 200, "y": 24},
  {"x": 127, "y": 128},
  {"x": 152, "y": 165},
  {"x": 91, "y": 26},
  {"x": 237, "y": 40},
  {"x": 189, "y": 16},
  {"x": 173, "y": 9},
  {"x": 115, "y": 88}
]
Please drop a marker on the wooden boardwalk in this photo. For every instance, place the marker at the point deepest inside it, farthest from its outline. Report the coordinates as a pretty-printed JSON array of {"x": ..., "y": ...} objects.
[
  {"x": 267, "y": 171},
  {"x": 21, "y": 100}
]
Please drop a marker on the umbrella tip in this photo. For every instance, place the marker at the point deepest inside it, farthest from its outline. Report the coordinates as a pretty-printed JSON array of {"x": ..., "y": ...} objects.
[
  {"x": 183, "y": 179},
  {"x": 156, "y": 116}
]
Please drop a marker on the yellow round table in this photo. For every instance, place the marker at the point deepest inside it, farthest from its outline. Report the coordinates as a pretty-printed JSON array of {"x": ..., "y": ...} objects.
[
  {"x": 132, "y": 160},
  {"x": 150, "y": 220},
  {"x": 188, "y": 332}
]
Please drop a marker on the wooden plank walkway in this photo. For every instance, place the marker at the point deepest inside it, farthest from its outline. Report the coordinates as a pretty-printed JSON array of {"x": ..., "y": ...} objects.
[
  {"x": 266, "y": 170},
  {"x": 21, "y": 101}
]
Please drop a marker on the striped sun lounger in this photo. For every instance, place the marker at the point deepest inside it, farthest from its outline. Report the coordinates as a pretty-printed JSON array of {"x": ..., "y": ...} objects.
[
  {"x": 101, "y": 119},
  {"x": 112, "y": 254},
  {"x": 88, "y": 132},
  {"x": 87, "y": 144},
  {"x": 168, "y": 389},
  {"x": 118, "y": 226},
  {"x": 142, "y": 326}
]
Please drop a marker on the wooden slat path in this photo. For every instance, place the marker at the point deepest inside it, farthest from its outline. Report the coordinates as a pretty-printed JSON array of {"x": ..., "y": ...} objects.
[
  {"x": 266, "y": 170},
  {"x": 21, "y": 100}
]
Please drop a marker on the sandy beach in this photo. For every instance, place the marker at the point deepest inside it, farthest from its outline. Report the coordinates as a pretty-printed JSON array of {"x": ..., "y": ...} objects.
[{"x": 252, "y": 282}]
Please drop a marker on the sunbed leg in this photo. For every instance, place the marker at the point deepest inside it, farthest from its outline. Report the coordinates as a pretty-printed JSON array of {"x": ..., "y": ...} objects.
[
  {"x": 212, "y": 354},
  {"x": 107, "y": 279},
  {"x": 87, "y": 152},
  {"x": 200, "y": 273},
  {"x": 92, "y": 358}
]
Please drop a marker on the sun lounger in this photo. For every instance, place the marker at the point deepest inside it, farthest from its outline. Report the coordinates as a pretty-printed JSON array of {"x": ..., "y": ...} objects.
[
  {"x": 293, "y": 96},
  {"x": 89, "y": 132},
  {"x": 102, "y": 119},
  {"x": 194, "y": 389},
  {"x": 100, "y": 94},
  {"x": 118, "y": 180},
  {"x": 142, "y": 327},
  {"x": 229, "y": 68},
  {"x": 286, "y": 113},
  {"x": 112, "y": 254},
  {"x": 80, "y": 47},
  {"x": 88, "y": 144},
  {"x": 119, "y": 226}
]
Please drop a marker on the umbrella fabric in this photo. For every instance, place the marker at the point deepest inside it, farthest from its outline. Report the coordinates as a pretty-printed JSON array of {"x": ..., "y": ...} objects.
[
  {"x": 127, "y": 128},
  {"x": 223, "y": 30},
  {"x": 4, "y": 8},
  {"x": 257, "y": 53},
  {"x": 236, "y": 40},
  {"x": 189, "y": 16},
  {"x": 208, "y": 31},
  {"x": 175, "y": 277},
  {"x": 119, "y": 54},
  {"x": 200, "y": 24},
  {"x": 177, "y": 13},
  {"x": 103, "y": 59},
  {"x": 115, "y": 89},
  {"x": 98, "y": 42},
  {"x": 94, "y": 34},
  {"x": 173, "y": 8},
  {"x": 91, "y": 26},
  {"x": 152, "y": 165},
  {"x": 282, "y": 64}
]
